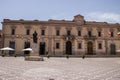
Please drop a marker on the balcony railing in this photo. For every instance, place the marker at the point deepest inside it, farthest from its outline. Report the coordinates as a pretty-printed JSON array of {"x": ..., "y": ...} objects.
[
  {"x": 90, "y": 37},
  {"x": 69, "y": 37}
]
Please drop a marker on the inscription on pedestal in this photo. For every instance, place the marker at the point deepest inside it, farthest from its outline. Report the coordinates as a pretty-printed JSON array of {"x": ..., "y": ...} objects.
[{"x": 35, "y": 48}]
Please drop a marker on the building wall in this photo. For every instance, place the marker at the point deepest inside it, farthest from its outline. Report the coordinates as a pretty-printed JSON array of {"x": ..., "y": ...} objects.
[
  {"x": 51, "y": 39},
  {"x": 1, "y": 39}
]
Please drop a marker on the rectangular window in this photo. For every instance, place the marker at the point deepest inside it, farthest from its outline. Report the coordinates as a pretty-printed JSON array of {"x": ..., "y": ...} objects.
[
  {"x": 79, "y": 33},
  {"x": 99, "y": 46},
  {"x": 57, "y": 45},
  {"x": 89, "y": 33},
  {"x": 57, "y": 32},
  {"x": 79, "y": 46},
  {"x": 28, "y": 32},
  {"x": 68, "y": 32},
  {"x": 99, "y": 34},
  {"x": 42, "y": 32},
  {"x": 26, "y": 44},
  {"x": 13, "y": 32},
  {"x": 112, "y": 34}
]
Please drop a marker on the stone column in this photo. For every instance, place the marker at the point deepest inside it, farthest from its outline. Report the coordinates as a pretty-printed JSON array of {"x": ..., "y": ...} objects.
[{"x": 50, "y": 45}]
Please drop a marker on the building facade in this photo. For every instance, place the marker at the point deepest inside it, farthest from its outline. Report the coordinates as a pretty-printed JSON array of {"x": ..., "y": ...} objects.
[
  {"x": 61, "y": 37},
  {"x": 1, "y": 39}
]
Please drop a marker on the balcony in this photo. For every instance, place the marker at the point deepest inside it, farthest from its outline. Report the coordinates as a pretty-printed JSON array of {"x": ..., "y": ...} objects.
[
  {"x": 68, "y": 37},
  {"x": 90, "y": 37}
]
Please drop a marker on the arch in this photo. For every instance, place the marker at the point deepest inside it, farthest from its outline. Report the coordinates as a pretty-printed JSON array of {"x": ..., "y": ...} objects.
[{"x": 90, "y": 48}]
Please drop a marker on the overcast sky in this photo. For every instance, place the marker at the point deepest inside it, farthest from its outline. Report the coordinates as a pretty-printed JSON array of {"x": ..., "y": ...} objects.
[{"x": 92, "y": 10}]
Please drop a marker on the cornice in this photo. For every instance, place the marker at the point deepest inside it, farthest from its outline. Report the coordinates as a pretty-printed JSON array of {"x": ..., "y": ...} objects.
[{"x": 58, "y": 22}]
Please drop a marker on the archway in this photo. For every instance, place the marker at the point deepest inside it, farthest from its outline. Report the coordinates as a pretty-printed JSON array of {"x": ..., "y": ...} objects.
[
  {"x": 69, "y": 47},
  {"x": 89, "y": 48}
]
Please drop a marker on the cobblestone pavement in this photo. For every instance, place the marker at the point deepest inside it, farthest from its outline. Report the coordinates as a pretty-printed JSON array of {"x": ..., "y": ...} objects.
[{"x": 12, "y": 68}]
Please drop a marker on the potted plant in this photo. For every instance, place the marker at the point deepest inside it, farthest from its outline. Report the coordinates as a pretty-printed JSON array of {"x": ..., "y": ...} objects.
[
  {"x": 3, "y": 54},
  {"x": 15, "y": 55},
  {"x": 83, "y": 56},
  {"x": 48, "y": 56},
  {"x": 67, "y": 56}
]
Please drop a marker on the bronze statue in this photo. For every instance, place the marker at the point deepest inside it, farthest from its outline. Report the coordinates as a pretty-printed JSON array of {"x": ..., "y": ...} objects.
[{"x": 35, "y": 37}]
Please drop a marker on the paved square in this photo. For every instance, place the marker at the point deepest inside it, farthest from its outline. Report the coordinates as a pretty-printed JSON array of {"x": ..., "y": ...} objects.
[{"x": 12, "y": 68}]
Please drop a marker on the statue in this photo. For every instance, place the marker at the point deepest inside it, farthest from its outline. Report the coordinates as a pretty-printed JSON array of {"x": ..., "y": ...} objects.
[
  {"x": 34, "y": 55},
  {"x": 35, "y": 37}
]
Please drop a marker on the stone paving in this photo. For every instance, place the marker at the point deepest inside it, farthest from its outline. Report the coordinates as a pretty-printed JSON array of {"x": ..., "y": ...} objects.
[{"x": 12, "y": 68}]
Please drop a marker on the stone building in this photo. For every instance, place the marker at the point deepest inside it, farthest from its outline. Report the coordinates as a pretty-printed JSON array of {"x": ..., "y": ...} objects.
[
  {"x": 1, "y": 39},
  {"x": 60, "y": 37}
]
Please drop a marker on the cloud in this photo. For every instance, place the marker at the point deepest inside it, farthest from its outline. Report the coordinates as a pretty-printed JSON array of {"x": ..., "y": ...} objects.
[{"x": 105, "y": 17}]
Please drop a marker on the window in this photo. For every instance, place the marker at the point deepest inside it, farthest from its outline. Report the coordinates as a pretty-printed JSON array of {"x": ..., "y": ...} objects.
[
  {"x": 28, "y": 32},
  {"x": 0, "y": 35},
  {"x": 57, "y": 45},
  {"x": 89, "y": 33},
  {"x": 68, "y": 32},
  {"x": 42, "y": 32},
  {"x": 99, "y": 34},
  {"x": 99, "y": 46},
  {"x": 13, "y": 32},
  {"x": 57, "y": 32},
  {"x": 112, "y": 35},
  {"x": 79, "y": 46},
  {"x": 78, "y": 22},
  {"x": 26, "y": 44},
  {"x": 79, "y": 33}
]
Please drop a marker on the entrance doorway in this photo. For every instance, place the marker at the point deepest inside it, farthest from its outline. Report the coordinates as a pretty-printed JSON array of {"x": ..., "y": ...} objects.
[
  {"x": 42, "y": 48},
  {"x": 69, "y": 48},
  {"x": 26, "y": 45},
  {"x": 90, "y": 48},
  {"x": 11, "y": 45},
  {"x": 112, "y": 49}
]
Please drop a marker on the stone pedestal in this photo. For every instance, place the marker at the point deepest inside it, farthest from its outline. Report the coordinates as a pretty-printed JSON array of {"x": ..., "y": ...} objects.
[
  {"x": 34, "y": 58},
  {"x": 35, "y": 49},
  {"x": 34, "y": 55}
]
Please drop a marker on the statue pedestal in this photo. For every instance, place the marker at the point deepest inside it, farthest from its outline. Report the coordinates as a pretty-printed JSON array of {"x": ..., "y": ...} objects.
[
  {"x": 34, "y": 55},
  {"x": 34, "y": 58}
]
